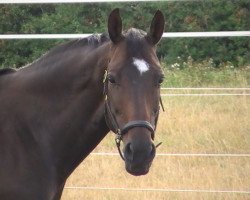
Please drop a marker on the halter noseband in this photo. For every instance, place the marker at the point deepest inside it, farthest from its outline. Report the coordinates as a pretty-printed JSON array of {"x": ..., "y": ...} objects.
[{"x": 113, "y": 125}]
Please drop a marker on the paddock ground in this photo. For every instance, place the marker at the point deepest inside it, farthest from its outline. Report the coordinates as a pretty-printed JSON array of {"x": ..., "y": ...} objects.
[{"x": 213, "y": 124}]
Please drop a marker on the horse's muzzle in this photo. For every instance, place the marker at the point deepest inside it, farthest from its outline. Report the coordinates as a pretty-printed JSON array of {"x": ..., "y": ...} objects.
[{"x": 139, "y": 157}]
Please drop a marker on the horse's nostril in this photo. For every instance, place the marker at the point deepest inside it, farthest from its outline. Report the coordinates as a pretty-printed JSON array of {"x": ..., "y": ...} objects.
[
  {"x": 140, "y": 153},
  {"x": 129, "y": 152}
]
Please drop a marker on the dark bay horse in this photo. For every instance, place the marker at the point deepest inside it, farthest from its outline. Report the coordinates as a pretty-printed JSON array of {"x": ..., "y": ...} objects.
[{"x": 55, "y": 111}]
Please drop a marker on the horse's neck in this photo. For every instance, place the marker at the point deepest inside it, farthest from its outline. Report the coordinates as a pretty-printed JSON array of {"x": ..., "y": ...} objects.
[{"x": 75, "y": 122}]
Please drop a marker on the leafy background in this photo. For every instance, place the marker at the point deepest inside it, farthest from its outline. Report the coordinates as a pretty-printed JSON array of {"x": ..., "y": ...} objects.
[{"x": 209, "y": 15}]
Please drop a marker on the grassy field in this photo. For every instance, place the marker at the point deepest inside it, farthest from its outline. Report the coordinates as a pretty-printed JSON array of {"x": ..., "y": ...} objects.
[{"x": 213, "y": 124}]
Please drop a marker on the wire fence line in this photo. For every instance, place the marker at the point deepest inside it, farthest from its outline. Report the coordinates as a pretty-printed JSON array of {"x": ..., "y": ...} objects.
[
  {"x": 125, "y": 189},
  {"x": 242, "y": 90},
  {"x": 158, "y": 189},
  {"x": 182, "y": 154},
  {"x": 165, "y": 35},
  {"x": 204, "y": 95},
  {"x": 202, "y": 88}
]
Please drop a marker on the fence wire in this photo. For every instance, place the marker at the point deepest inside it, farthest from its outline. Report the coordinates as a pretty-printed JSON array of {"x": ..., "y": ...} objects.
[
  {"x": 158, "y": 190},
  {"x": 183, "y": 154},
  {"x": 165, "y": 35}
]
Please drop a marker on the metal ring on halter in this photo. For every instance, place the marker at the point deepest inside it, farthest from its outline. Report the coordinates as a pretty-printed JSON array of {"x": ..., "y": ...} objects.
[{"x": 118, "y": 140}]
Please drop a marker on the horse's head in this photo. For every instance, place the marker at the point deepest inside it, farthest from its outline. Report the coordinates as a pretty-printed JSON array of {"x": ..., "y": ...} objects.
[{"x": 132, "y": 86}]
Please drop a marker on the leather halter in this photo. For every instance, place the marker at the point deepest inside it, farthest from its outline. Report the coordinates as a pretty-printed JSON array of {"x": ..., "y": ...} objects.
[{"x": 114, "y": 126}]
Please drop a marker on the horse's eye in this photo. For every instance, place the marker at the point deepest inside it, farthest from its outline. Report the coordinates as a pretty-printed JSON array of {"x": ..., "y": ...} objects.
[
  {"x": 160, "y": 81},
  {"x": 111, "y": 79}
]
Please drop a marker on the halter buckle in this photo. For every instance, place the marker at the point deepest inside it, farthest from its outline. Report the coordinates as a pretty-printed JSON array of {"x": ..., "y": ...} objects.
[
  {"x": 105, "y": 76},
  {"x": 118, "y": 140}
]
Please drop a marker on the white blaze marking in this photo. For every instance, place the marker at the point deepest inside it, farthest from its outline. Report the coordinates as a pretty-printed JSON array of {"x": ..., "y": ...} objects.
[{"x": 141, "y": 65}]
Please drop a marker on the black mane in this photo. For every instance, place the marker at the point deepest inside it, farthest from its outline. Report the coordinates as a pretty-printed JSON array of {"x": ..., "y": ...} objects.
[
  {"x": 93, "y": 40},
  {"x": 6, "y": 71},
  {"x": 133, "y": 37},
  {"x": 135, "y": 34}
]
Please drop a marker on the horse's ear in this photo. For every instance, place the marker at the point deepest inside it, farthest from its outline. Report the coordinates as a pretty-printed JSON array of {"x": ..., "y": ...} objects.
[
  {"x": 156, "y": 28},
  {"x": 115, "y": 26}
]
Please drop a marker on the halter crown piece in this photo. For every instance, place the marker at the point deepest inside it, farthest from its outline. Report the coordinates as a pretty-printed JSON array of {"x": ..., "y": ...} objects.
[{"x": 114, "y": 126}]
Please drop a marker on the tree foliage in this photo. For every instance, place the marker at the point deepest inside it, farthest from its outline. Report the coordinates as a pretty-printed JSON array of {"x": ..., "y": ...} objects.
[{"x": 211, "y": 15}]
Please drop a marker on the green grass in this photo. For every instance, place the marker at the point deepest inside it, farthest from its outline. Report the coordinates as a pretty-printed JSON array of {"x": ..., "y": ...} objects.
[{"x": 201, "y": 75}]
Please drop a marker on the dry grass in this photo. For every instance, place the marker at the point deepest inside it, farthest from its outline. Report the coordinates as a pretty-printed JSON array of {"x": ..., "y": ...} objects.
[{"x": 189, "y": 125}]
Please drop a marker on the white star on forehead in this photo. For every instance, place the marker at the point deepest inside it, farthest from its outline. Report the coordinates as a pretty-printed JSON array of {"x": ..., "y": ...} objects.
[{"x": 141, "y": 65}]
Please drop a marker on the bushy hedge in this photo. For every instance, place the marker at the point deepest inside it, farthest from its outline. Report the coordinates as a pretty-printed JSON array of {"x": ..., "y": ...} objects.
[{"x": 211, "y": 15}]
